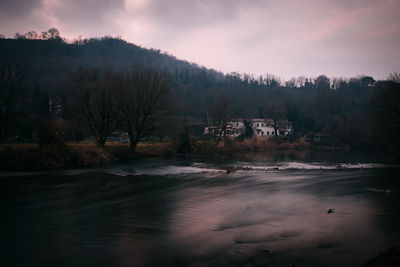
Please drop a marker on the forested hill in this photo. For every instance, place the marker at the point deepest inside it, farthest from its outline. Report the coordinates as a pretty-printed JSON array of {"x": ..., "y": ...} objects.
[
  {"x": 343, "y": 110},
  {"x": 49, "y": 64},
  {"x": 54, "y": 59}
]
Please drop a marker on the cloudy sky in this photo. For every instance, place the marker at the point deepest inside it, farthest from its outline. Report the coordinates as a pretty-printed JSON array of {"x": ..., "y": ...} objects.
[{"x": 283, "y": 37}]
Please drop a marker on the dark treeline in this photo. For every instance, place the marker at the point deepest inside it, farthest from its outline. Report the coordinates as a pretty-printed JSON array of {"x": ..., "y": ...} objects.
[{"x": 44, "y": 77}]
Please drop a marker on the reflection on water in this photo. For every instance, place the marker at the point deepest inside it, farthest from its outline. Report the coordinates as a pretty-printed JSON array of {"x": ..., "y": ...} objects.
[{"x": 197, "y": 214}]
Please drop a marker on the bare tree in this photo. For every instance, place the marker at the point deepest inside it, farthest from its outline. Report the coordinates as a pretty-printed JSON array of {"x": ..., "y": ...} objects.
[
  {"x": 141, "y": 103},
  {"x": 276, "y": 111},
  {"x": 291, "y": 83},
  {"x": 395, "y": 77},
  {"x": 53, "y": 33},
  {"x": 322, "y": 82},
  {"x": 12, "y": 83},
  {"x": 19, "y": 36},
  {"x": 44, "y": 35},
  {"x": 218, "y": 116},
  {"x": 32, "y": 35},
  {"x": 96, "y": 101},
  {"x": 386, "y": 114}
]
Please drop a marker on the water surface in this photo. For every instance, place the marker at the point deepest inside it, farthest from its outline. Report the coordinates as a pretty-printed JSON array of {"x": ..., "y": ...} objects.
[{"x": 192, "y": 213}]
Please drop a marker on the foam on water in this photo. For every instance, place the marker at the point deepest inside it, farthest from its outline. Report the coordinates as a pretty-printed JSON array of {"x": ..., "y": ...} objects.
[
  {"x": 310, "y": 166},
  {"x": 161, "y": 169}
]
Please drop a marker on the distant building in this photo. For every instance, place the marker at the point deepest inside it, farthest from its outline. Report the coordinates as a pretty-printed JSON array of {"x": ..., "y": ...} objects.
[
  {"x": 118, "y": 137},
  {"x": 261, "y": 128}
]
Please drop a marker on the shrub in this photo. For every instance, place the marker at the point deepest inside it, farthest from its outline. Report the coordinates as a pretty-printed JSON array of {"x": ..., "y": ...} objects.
[{"x": 51, "y": 134}]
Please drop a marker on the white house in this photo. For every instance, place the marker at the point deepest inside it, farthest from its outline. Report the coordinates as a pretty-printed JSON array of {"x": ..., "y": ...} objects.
[
  {"x": 261, "y": 127},
  {"x": 235, "y": 128},
  {"x": 265, "y": 127}
]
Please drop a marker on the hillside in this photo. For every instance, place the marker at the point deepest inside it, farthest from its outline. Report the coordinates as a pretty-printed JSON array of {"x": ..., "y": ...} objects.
[{"x": 341, "y": 109}]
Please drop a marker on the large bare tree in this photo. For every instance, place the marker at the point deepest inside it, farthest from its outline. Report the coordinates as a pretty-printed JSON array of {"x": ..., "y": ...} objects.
[
  {"x": 141, "y": 103},
  {"x": 96, "y": 101}
]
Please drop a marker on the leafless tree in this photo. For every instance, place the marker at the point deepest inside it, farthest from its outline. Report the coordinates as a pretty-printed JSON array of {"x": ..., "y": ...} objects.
[
  {"x": 218, "y": 116},
  {"x": 12, "y": 83},
  {"x": 141, "y": 103},
  {"x": 44, "y": 35},
  {"x": 386, "y": 114},
  {"x": 276, "y": 111},
  {"x": 291, "y": 83},
  {"x": 53, "y": 33},
  {"x": 96, "y": 101},
  {"x": 322, "y": 82},
  {"x": 395, "y": 77},
  {"x": 32, "y": 35},
  {"x": 19, "y": 36}
]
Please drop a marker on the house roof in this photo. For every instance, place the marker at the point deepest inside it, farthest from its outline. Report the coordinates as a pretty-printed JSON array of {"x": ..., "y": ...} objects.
[{"x": 266, "y": 121}]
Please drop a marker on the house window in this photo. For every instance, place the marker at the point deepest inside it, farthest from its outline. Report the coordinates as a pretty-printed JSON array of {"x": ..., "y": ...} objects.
[
  {"x": 237, "y": 124},
  {"x": 262, "y": 124},
  {"x": 273, "y": 133},
  {"x": 262, "y": 133},
  {"x": 258, "y": 124},
  {"x": 267, "y": 132}
]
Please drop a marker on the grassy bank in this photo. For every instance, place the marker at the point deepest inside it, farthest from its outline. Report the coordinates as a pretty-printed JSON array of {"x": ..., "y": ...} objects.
[
  {"x": 72, "y": 155},
  {"x": 31, "y": 157},
  {"x": 18, "y": 157}
]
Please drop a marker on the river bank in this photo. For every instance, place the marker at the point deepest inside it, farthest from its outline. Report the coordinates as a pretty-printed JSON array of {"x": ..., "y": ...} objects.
[{"x": 24, "y": 157}]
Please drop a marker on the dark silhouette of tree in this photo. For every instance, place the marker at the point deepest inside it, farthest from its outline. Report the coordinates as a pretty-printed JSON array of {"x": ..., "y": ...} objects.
[
  {"x": 386, "y": 115},
  {"x": 248, "y": 131},
  {"x": 141, "y": 103},
  {"x": 44, "y": 35},
  {"x": 367, "y": 81},
  {"x": 32, "y": 35},
  {"x": 322, "y": 82},
  {"x": 218, "y": 116},
  {"x": 276, "y": 111},
  {"x": 12, "y": 86},
  {"x": 291, "y": 83},
  {"x": 96, "y": 101},
  {"x": 53, "y": 33},
  {"x": 395, "y": 77},
  {"x": 163, "y": 128},
  {"x": 184, "y": 142},
  {"x": 19, "y": 36}
]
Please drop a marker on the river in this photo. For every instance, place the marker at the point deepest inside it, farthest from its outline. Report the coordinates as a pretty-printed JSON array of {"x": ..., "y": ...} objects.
[{"x": 282, "y": 212}]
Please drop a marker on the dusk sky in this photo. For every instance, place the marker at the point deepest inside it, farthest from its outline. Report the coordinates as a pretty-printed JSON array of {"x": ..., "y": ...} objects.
[{"x": 286, "y": 38}]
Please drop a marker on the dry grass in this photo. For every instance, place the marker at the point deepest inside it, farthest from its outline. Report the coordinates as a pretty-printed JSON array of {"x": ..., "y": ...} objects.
[
  {"x": 72, "y": 155},
  {"x": 269, "y": 144},
  {"x": 32, "y": 157},
  {"x": 121, "y": 151}
]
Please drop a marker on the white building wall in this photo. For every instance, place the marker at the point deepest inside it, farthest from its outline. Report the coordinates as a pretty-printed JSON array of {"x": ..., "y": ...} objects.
[{"x": 261, "y": 128}]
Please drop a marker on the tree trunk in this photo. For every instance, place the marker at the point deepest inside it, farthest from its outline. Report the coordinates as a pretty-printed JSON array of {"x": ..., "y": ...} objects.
[
  {"x": 133, "y": 140},
  {"x": 101, "y": 142},
  {"x": 276, "y": 128}
]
